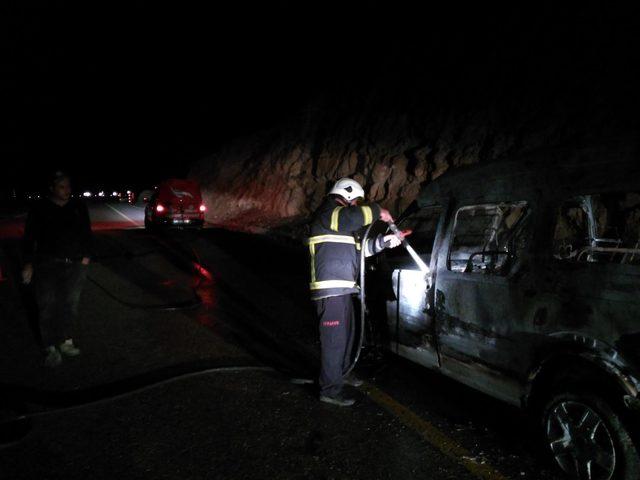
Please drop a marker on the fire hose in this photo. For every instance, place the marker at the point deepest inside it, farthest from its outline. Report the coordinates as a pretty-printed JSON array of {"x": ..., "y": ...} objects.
[
  {"x": 416, "y": 258},
  {"x": 424, "y": 268}
]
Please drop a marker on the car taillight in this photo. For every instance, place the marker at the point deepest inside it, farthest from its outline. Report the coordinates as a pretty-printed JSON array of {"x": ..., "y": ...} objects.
[
  {"x": 159, "y": 208},
  {"x": 203, "y": 208}
]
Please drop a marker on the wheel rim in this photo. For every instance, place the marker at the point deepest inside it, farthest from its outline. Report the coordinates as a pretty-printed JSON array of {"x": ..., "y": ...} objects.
[{"x": 580, "y": 441}]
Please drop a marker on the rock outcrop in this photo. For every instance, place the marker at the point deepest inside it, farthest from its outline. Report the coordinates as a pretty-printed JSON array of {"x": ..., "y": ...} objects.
[{"x": 278, "y": 176}]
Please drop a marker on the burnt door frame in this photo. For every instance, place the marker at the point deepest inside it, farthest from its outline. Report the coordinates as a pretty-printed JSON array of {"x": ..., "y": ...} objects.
[
  {"x": 476, "y": 315},
  {"x": 424, "y": 348}
]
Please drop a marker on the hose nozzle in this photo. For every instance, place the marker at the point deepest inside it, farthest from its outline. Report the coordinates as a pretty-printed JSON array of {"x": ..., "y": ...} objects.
[{"x": 414, "y": 255}]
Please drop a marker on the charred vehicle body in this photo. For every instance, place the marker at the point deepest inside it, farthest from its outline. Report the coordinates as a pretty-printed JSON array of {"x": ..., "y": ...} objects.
[{"x": 532, "y": 297}]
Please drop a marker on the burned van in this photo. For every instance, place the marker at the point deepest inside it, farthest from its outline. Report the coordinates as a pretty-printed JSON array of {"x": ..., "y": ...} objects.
[{"x": 533, "y": 297}]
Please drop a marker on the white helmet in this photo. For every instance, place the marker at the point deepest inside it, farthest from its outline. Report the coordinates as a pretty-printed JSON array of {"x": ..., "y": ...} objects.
[{"x": 347, "y": 189}]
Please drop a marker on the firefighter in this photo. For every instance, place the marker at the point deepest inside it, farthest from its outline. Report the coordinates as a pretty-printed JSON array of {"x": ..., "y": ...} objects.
[{"x": 334, "y": 254}]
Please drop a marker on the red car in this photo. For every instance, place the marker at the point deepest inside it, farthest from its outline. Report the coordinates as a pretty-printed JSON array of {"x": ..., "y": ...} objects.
[{"x": 175, "y": 203}]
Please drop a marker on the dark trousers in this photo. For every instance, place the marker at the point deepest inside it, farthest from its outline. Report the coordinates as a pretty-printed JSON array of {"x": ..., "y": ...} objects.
[
  {"x": 335, "y": 315},
  {"x": 58, "y": 286}
]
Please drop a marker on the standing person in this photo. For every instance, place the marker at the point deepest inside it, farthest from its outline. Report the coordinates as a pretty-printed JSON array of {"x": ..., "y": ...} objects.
[
  {"x": 56, "y": 247},
  {"x": 335, "y": 265}
]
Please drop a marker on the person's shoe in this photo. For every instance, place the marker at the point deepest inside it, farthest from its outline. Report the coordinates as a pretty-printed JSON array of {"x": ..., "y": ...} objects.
[
  {"x": 352, "y": 380},
  {"x": 338, "y": 400},
  {"x": 53, "y": 358},
  {"x": 68, "y": 349}
]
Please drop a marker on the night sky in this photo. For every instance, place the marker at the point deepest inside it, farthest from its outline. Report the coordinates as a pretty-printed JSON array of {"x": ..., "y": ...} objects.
[{"x": 131, "y": 94}]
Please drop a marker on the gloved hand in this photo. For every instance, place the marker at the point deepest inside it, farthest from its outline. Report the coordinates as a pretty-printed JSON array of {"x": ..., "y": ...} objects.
[{"x": 391, "y": 241}]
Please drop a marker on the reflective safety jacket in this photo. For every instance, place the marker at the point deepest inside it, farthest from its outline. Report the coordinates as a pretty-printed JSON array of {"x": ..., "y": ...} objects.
[{"x": 334, "y": 250}]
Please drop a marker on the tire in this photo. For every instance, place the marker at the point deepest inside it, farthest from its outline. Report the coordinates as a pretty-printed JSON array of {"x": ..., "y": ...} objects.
[{"x": 588, "y": 439}]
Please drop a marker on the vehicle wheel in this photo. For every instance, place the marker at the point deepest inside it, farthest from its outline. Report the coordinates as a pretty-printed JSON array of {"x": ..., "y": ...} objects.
[{"x": 588, "y": 439}]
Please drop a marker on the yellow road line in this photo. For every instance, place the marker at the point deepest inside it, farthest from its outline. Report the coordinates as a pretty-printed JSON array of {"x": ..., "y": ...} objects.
[{"x": 438, "y": 439}]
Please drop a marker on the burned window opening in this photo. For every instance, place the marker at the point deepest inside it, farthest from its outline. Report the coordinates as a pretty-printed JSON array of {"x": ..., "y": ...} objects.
[
  {"x": 423, "y": 225},
  {"x": 602, "y": 228},
  {"x": 487, "y": 238}
]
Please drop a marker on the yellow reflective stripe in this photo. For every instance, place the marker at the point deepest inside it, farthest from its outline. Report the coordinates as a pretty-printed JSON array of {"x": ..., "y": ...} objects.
[
  {"x": 332, "y": 284},
  {"x": 358, "y": 246},
  {"x": 368, "y": 214},
  {"x": 334, "y": 218},
  {"x": 331, "y": 239},
  {"x": 312, "y": 251}
]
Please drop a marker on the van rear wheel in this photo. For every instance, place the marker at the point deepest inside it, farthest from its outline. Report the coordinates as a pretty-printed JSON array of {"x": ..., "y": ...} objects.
[{"x": 588, "y": 439}]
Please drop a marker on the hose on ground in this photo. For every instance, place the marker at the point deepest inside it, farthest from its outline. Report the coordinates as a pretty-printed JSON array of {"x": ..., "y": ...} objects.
[
  {"x": 196, "y": 301},
  {"x": 13, "y": 430},
  {"x": 165, "y": 307}
]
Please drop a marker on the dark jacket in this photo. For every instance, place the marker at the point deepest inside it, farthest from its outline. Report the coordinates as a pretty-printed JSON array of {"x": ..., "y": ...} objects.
[
  {"x": 55, "y": 232},
  {"x": 333, "y": 248}
]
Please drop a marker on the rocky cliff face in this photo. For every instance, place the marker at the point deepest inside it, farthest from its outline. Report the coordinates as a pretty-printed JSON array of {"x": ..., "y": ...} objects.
[{"x": 280, "y": 175}]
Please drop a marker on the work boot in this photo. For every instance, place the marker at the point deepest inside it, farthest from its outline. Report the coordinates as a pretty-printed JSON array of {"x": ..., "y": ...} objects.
[
  {"x": 352, "y": 380},
  {"x": 68, "y": 349},
  {"x": 53, "y": 358},
  {"x": 338, "y": 400}
]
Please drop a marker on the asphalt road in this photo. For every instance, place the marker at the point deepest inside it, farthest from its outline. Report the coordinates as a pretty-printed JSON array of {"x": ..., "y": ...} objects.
[
  {"x": 189, "y": 340},
  {"x": 112, "y": 215},
  {"x": 104, "y": 216}
]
